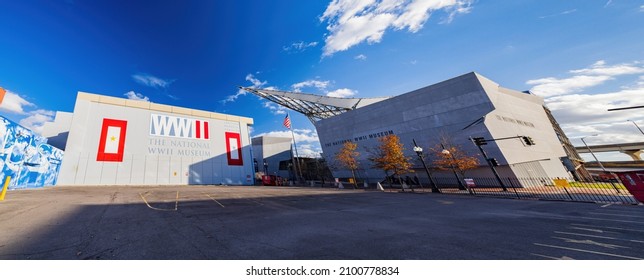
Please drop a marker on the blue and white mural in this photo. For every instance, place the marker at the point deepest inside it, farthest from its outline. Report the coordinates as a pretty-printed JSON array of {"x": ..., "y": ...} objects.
[{"x": 26, "y": 157}]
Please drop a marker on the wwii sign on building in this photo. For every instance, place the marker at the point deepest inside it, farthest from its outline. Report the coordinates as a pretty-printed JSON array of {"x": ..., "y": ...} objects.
[{"x": 114, "y": 141}]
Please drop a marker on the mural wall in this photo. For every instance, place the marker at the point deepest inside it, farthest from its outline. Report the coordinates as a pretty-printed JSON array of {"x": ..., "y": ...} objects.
[{"x": 26, "y": 157}]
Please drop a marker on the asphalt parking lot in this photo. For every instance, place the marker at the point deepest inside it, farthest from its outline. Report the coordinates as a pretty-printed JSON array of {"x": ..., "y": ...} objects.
[{"x": 224, "y": 222}]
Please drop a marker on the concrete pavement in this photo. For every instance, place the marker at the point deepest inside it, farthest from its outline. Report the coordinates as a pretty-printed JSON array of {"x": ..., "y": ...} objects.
[{"x": 225, "y": 222}]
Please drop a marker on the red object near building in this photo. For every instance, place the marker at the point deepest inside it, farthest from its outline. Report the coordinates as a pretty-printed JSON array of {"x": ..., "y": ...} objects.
[
  {"x": 269, "y": 180},
  {"x": 273, "y": 180},
  {"x": 634, "y": 183}
]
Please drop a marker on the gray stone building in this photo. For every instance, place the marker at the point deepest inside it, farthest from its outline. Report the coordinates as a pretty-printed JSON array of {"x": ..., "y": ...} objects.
[
  {"x": 273, "y": 155},
  {"x": 449, "y": 112}
]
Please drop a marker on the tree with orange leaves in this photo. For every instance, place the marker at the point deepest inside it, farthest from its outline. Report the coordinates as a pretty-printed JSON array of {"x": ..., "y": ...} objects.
[
  {"x": 348, "y": 157},
  {"x": 390, "y": 156},
  {"x": 446, "y": 158}
]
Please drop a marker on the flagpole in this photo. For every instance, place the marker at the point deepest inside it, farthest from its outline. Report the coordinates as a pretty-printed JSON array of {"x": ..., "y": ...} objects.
[{"x": 298, "y": 168}]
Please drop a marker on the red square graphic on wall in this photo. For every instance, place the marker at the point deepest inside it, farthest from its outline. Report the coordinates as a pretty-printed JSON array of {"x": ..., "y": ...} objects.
[
  {"x": 111, "y": 144},
  {"x": 233, "y": 149}
]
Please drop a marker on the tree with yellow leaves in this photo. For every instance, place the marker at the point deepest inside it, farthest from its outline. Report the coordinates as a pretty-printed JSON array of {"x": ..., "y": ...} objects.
[
  {"x": 390, "y": 156},
  {"x": 348, "y": 158}
]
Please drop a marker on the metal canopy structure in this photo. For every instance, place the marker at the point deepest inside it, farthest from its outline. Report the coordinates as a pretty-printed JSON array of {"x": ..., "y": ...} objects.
[
  {"x": 315, "y": 107},
  {"x": 626, "y": 108}
]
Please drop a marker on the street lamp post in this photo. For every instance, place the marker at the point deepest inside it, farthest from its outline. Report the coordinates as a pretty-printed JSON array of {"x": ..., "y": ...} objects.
[
  {"x": 419, "y": 152},
  {"x": 265, "y": 167},
  {"x": 638, "y": 127},
  {"x": 458, "y": 178},
  {"x": 599, "y": 162}
]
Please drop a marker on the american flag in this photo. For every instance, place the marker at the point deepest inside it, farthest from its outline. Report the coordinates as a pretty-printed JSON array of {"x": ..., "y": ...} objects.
[{"x": 287, "y": 122}]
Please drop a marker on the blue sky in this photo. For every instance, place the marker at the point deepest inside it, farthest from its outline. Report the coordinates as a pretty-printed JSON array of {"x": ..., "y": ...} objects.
[{"x": 583, "y": 57}]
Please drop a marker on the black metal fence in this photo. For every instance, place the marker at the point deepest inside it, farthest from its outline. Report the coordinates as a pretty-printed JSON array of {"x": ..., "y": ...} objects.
[{"x": 533, "y": 189}]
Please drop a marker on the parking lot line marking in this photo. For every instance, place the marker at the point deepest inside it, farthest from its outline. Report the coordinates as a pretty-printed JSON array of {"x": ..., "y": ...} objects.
[
  {"x": 619, "y": 215},
  {"x": 586, "y": 251},
  {"x": 445, "y": 202},
  {"x": 160, "y": 209},
  {"x": 617, "y": 228},
  {"x": 623, "y": 209},
  {"x": 586, "y": 218},
  {"x": 554, "y": 258},
  {"x": 176, "y": 203},
  {"x": 596, "y": 236},
  {"x": 590, "y": 242},
  {"x": 214, "y": 200},
  {"x": 592, "y": 230},
  {"x": 255, "y": 201}
]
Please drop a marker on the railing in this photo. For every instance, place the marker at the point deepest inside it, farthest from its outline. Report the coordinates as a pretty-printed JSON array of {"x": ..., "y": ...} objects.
[{"x": 536, "y": 189}]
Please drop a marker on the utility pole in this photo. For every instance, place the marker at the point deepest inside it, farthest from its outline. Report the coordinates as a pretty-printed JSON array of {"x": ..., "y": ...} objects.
[
  {"x": 479, "y": 141},
  {"x": 638, "y": 127},
  {"x": 600, "y": 163}
]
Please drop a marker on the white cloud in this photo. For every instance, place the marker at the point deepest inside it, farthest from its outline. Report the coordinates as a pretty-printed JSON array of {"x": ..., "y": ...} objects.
[
  {"x": 600, "y": 68},
  {"x": 299, "y": 46},
  {"x": 593, "y": 108},
  {"x": 582, "y": 114},
  {"x": 256, "y": 83},
  {"x": 546, "y": 87},
  {"x": 136, "y": 96},
  {"x": 560, "y": 14},
  {"x": 351, "y": 22},
  {"x": 309, "y": 151},
  {"x": 356, "y": 30},
  {"x": 463, "y": 7},
  {"x": 642, "y": 8},
  {"x": 34, "y": 120},
  {"x": 343, "y": 92},
  {"x": 151, "y": 81},
  {"x": 360, "y": 57},
  {"x": 275, "y": 108},
  {"x": 14, "y": 103},
  {"x": 321, "y": 85},
  {"x": 596, "y": 74},
  {"x": 640, "y": 83},
  {"x": 417, "y": 12},
  {"x": 37, "y": 119}
]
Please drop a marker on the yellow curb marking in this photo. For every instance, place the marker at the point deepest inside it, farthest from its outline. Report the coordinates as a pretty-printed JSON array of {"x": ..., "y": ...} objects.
[{"x": 4, "y": 188}]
